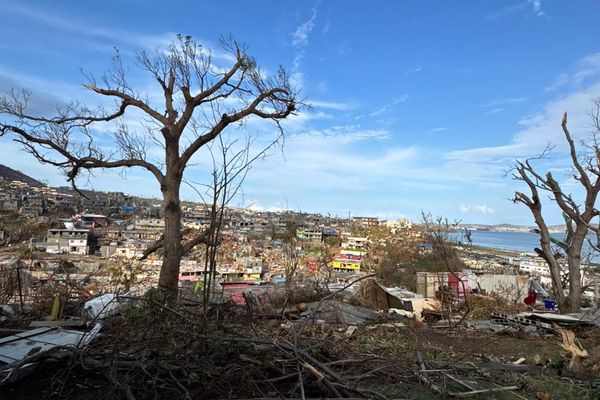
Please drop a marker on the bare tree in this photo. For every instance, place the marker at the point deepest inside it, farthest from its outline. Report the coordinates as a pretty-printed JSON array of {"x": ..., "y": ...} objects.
[
  {"x": 201, "y": 99},
  {"x": 232, "y": 160},
  {"x": 438, "y": 233},
  {"x": 578, "y": 214}
]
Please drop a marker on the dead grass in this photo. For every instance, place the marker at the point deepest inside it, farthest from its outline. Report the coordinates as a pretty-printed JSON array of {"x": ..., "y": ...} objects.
[
  {"x": 482, "y": 307},
  {"x": 160, "y": 350}
]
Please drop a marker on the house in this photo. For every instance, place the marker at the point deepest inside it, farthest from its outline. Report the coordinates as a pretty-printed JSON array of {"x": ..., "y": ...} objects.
[
  {"x": 346, "y": 264},
  {"x": 150, "y": 224},
  {"x": 329, "y": 232},
  {"x": 311, "y": 235},
  {"x": 399, "y": 225},
  {"x": 366, "y": 222},
  {"x": 355, "y": 242},
  {"x": 93, "y": 221},
  {"x": 72, "y": 241}
]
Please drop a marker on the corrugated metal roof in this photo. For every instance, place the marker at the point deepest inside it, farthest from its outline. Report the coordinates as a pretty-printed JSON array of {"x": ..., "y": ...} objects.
[{"x": 17, "y": 347}]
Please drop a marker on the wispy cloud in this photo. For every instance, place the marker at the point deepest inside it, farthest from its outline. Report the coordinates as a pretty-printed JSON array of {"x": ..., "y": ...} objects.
[
  {"x": 585, "y": 69},
  {"x": 440, "y": 129},
  {"x": 479, "y": 209},
  {"x": 300, "y": 39},
  {"x": 505, "y": 101},
  {"x": 344, "y": 134},
  {"x": 538, "y": 129},
  {"x": 111, "y": 36},
  {"x": 536, "y": 6},
  {"x": 300, "y": 36},
  {"x": 331, "y": 105},
  {"x": 526, "y": 8},
  {"x": 494, "y": 111},
  {"x": 385, "y": 108},
  {"x": 326, "y": 27},
  {"x": 415, "y": 70}
]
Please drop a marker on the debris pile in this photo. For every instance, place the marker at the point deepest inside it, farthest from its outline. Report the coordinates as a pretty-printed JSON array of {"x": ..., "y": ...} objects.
[{"x": 154, "y": 347}]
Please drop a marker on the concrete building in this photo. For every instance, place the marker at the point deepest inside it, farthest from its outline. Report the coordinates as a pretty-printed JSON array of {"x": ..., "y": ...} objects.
[
  {"x": 88, "y": 221},
  {"x": 366, "y": 222},
  {"x": 71, "y": 241}
]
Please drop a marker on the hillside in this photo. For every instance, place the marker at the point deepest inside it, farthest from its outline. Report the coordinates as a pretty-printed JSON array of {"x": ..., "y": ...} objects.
[{"x": 10, "y": 174}]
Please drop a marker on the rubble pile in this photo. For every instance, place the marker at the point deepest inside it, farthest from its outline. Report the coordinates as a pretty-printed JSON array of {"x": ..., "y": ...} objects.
[{"x": 153, "y": 347}]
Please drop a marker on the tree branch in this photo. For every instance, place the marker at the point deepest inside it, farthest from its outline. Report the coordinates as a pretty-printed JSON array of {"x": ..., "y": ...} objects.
[
  {"x": 130, "y": 100},
  {"x": 75, "y": 162},
  {"x": 585, "y": 180},
  {"x": 228, "y": 119}
]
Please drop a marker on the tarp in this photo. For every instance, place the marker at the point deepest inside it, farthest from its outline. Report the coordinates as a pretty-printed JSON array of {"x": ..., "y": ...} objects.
[
  {"x": 102, "y": 306},
  {"x": 381, "y": 298}
]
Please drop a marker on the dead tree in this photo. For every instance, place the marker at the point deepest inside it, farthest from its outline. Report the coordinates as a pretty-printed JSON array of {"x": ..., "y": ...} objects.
[
  {"x": 232, "y": 161},
  {"x": 578, "y": 214},
  {"x": 201, "y": 99},
  {"x": 438, "y": 232}
]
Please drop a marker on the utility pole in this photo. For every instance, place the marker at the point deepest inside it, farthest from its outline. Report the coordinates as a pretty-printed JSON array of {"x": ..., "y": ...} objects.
[
  {"x": 596, "y": 292},
  {"x": 20, "y": 285}
]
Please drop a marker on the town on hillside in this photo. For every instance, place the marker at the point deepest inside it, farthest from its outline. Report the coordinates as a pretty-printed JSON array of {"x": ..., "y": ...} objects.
[
  {"x": 63, "y": 250},
  {"x": 347, "y": 200}
]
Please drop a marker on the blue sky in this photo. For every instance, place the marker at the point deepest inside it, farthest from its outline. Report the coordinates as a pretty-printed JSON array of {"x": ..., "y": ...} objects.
[{"x": 416, "y": 105}]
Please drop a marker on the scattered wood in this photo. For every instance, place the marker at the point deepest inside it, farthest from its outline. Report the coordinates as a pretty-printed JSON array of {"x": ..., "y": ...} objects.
[
  {"x": 575, "y": 351},
  {"x": 482, "y": 391},
  {"x": 519, "y": 361},
  {"x": 70, "y": 323}
]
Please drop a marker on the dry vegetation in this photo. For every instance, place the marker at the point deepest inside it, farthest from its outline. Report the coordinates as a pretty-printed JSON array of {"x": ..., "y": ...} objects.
[{"x": 157, "y": 350}]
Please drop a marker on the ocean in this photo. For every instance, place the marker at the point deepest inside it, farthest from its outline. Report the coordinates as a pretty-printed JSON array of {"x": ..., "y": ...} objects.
[{"x": 523, "y": 242}]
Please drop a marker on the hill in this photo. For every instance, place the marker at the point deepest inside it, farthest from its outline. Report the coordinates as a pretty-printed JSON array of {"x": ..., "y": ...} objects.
[{"x": 10, "y": 175}]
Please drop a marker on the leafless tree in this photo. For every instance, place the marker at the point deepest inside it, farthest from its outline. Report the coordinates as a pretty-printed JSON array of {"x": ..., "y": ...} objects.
[
  {"x": 578, "y": 214},
  {"x": 231, "y": 160},
  {"x": 438, "y": 233},
  {"x": 201, "y": 99}
]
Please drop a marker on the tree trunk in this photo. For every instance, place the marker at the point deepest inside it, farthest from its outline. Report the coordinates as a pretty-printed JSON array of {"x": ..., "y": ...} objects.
[
  {"x": 574, "y": 264},
  {"x": 173, "y": 249}
]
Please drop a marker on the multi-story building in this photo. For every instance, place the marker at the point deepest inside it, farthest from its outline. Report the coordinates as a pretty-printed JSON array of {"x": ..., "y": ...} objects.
[
  {"x": 366, "y": 222},
  {"x": 72, "y": 241}
]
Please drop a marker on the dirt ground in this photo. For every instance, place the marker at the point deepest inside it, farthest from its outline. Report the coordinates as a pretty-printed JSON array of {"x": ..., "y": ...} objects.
[{"x": 178, "y": 354}]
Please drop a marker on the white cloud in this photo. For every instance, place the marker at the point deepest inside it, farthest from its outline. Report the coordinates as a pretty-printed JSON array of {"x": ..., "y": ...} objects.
[
  {"x": 385, "y": 108},
  {"x": 475, "y": 209},
  {"x": 501, "y": 102},
  {"x": 114, "y": 36},
  {"x": 537, "y": 7},
  {"x": 524, "y": 8},
  {"x": 331, "y": 105},
  {"x": 539, "y": 129},
  {"x": 300, "y": 37},
  {"x": 494, "y": 111},
  {"x": 440, "y": 129},
  {"x": 300, "y": 41},
  {"x": 585, "y": 69}
]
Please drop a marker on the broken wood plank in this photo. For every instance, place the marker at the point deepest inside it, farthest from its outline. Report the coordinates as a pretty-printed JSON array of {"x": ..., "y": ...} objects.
[
  {"x": 462, "y": 383},
  {"x": 71, "y": 323},
  {"x": 481, "y": 391},
  {"x": 424, "y": 378}
]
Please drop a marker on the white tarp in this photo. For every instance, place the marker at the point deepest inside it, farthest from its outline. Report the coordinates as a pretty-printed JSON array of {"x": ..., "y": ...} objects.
[{"x": 102, "y": 306}]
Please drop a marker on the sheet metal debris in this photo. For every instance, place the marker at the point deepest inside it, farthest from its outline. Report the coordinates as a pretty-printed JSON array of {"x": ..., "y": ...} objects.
[
  {"x": 336, "y": 312},
  {"x": 16, "y": 348}
]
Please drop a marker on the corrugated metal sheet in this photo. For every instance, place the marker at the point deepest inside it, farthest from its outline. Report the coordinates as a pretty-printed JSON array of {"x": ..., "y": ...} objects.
[{"x": 17, "y": 347}]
